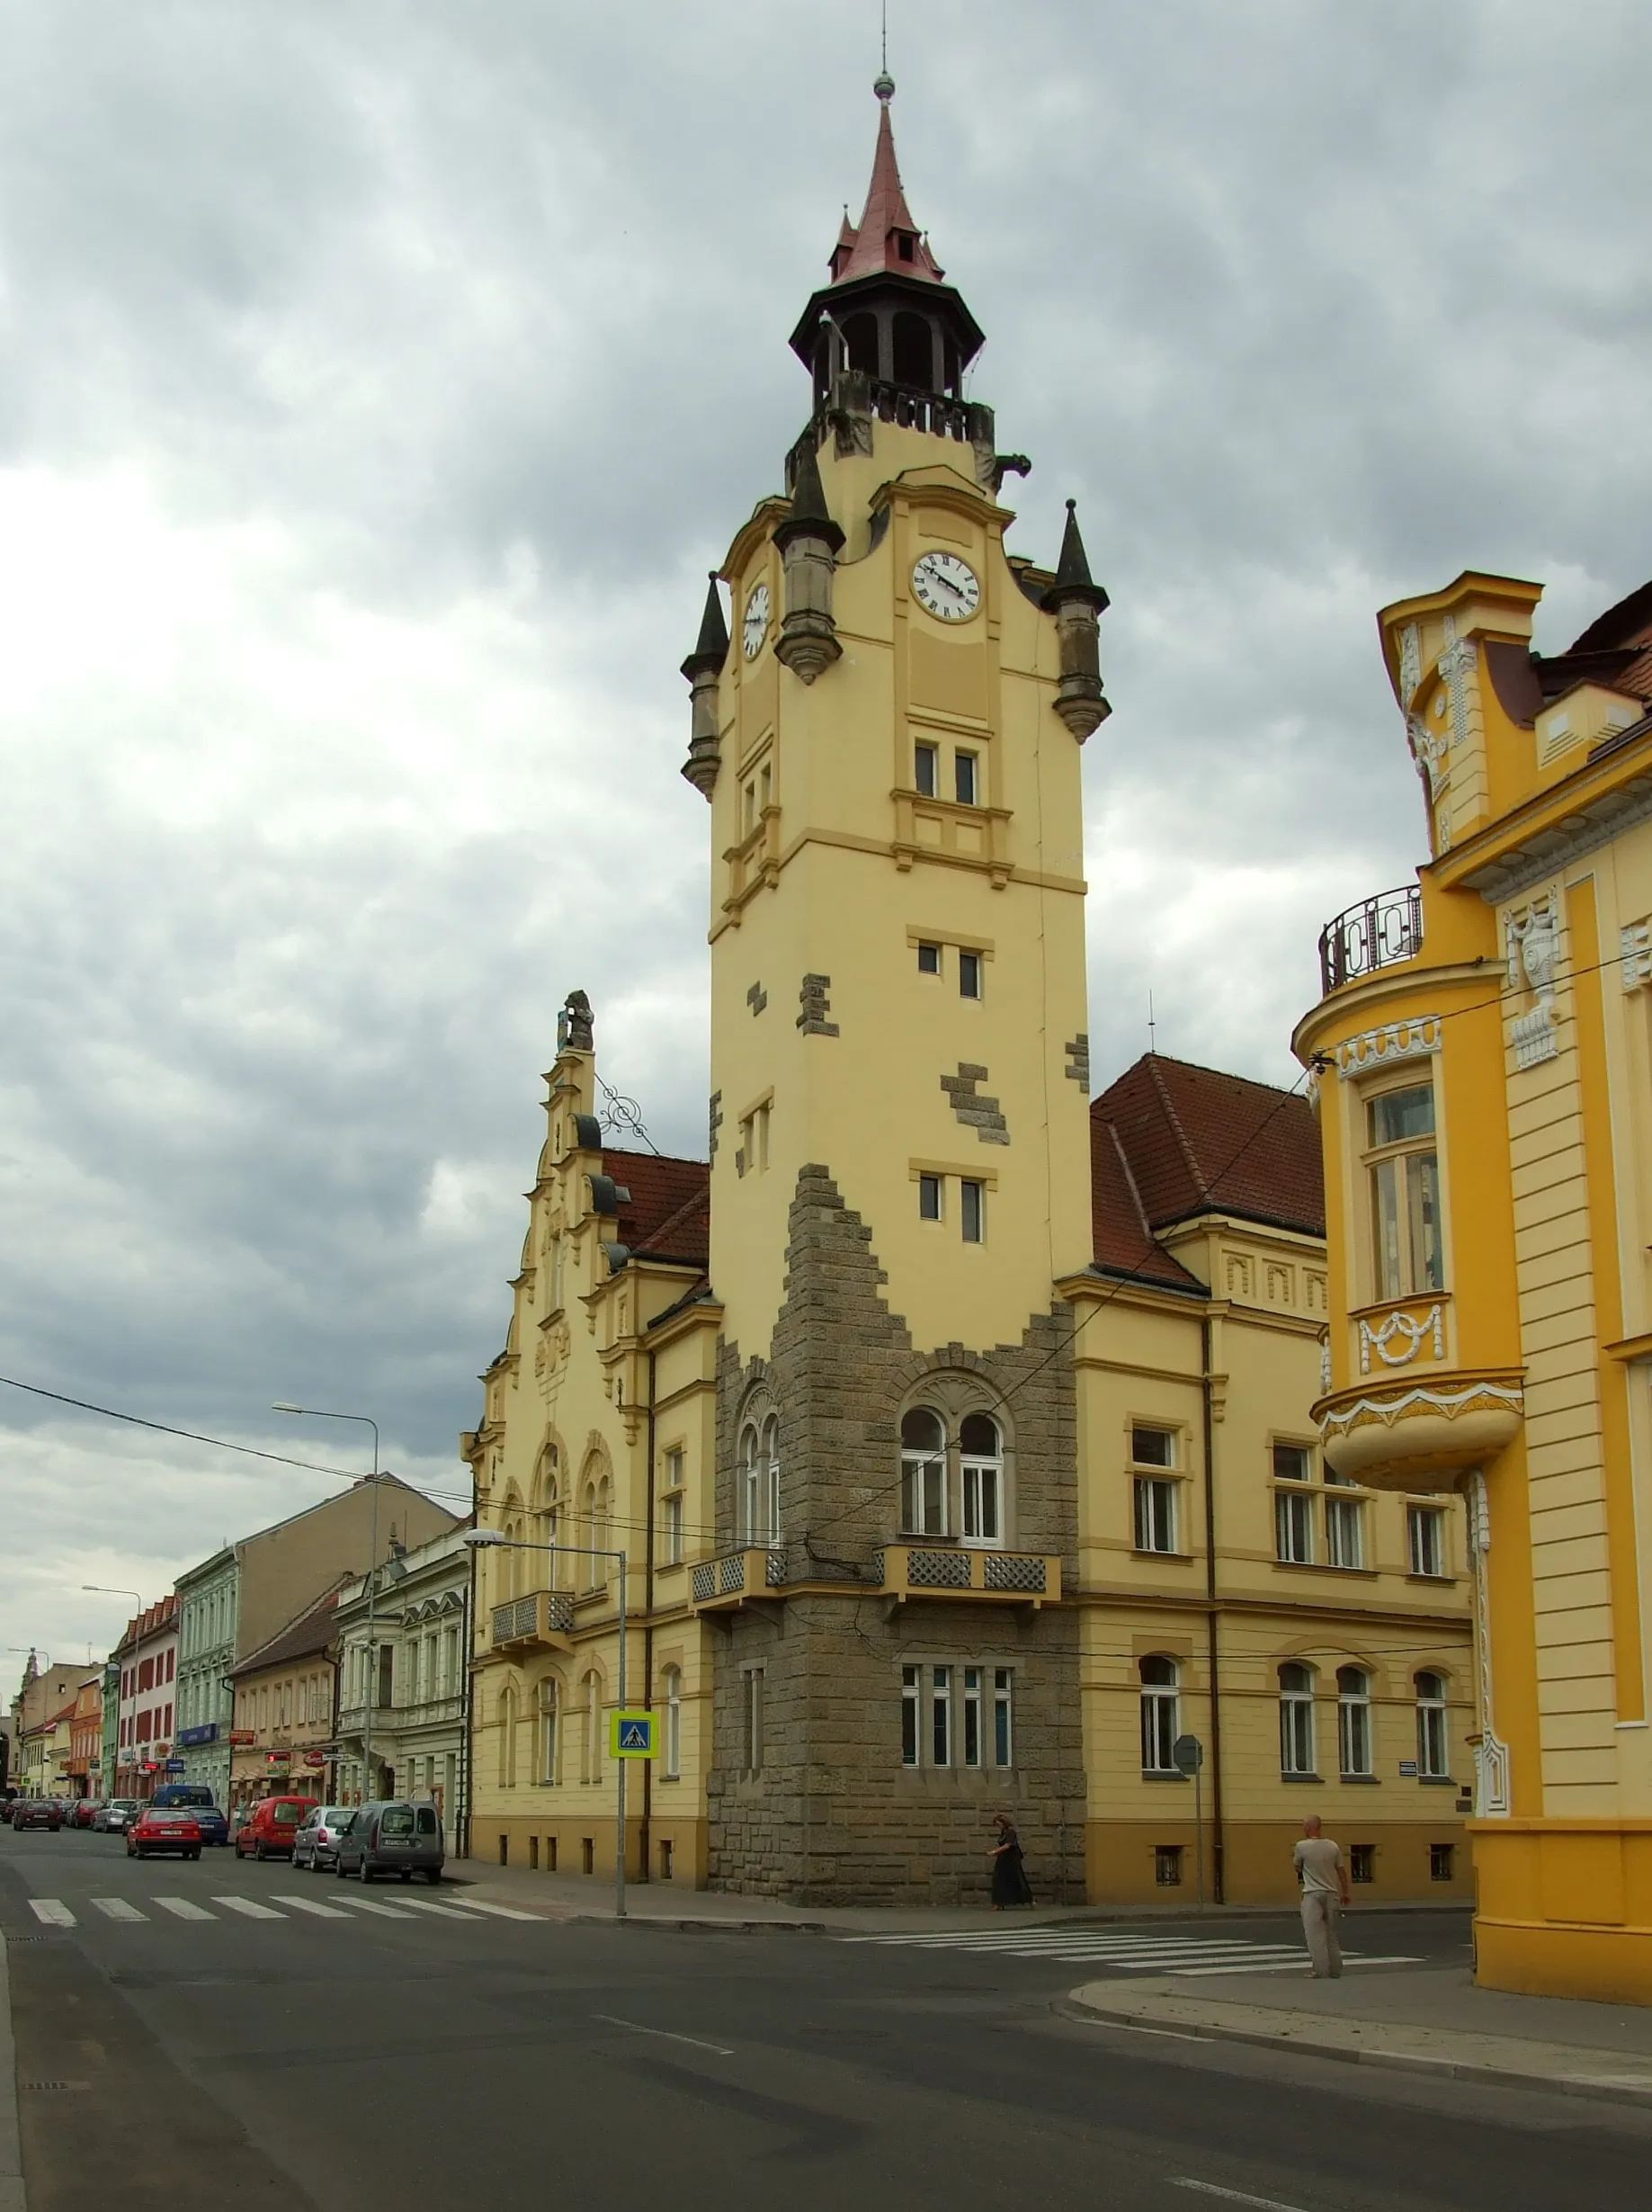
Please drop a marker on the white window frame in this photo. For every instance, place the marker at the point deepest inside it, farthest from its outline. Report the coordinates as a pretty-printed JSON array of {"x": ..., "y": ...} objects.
[
  {"x": 1293, "y": 1526},
  {"x": 671, "y": 1745},
  {"x": 1432, "y": 1519},
  {"x": 1433, "y": 1730},
  {"x": 1354, "y": 1751},
  {"x": 957, "y": 1714},
  {"x": 981, "y": 1477},
  {"x": 1297, "y": 1751},
  {"x": 550, "y": 1715},
  {"x": 1155, "y": 1504},
  {"x": 1344, "y": 1531},
  {"x": 919, "y": 1488},
  {"x": 1161, "y": 1713}
]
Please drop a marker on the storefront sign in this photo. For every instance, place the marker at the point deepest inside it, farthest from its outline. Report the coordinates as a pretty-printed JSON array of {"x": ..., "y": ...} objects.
[
  {"x": 174, "y": 1766},
  {"x": 243, "y": 1735},
  {"x": 315, "y": 1759},
  {"x": 206, "y": 1733}
]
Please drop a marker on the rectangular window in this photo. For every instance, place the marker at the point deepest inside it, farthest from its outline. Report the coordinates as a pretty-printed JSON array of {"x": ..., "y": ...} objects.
[
  {"x": 1292, "y": 1462},
  {"x": 1439, "y": 1857},
  {"x": 924, "y": 764},
  {"x": 1431, "y": 1748},
  {"x": 982, "y": 1523},
  {"x": 969, "y": 975},
  {"x": 751, "y": 1683},
  {"x": 963, "y": 768},
  {"x": 1425, "y": 1539},
  {"x": 673, "y": 1530},
  {"x": 1153, "y": 1448},
  {"x": 929, "y": 1198},
  {"x": 755, "y": 1140},
  {"x": 1159, "y": 1729},
  {"x": 1155, "y": 1515},
  {"x": 1353, "y": 1735},
  {"x": 972, "y": 1716},
  {"x": 1293, "y": 1527},
  {"x": 1003, "y": 1718},
  {"x": 1296, "y": 1734},
  {"x": 1345, "y": 1532},
  {"x": 971, "y": 1209},
  {"x": 940, "y": 1717},
  {"x": 1167, "y": 1865},
  {"x": 908, "y": 1717},
  {"x": 929, "y": 959},
  {"x": 1404, "y": 1193},
  {"x": 1361, "y": 1863},
  {"x": 922, "y": 1499}
]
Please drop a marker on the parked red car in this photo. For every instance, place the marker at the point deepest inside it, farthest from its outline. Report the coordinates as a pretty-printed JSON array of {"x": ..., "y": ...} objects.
[
  {"x": 153, "y": 1832},
  {"x": 269, "y": 1829},
  {"x": 83, "y": 1813}
]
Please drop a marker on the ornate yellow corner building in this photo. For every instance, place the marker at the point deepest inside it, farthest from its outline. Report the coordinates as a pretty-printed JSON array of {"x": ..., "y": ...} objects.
[
  {"x": 1485, "y": 1047},
  {"x": 956, "y": 1426}
]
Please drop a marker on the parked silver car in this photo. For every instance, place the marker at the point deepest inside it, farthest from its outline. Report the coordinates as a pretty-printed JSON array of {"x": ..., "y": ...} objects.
[
  {"x": 396, "y": 1837},
  {"x": 316, "y": 1845},
  {"x": 117, "y": 1816}
]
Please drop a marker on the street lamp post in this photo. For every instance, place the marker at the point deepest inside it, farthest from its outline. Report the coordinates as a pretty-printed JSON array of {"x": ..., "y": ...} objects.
[
  {"x": 321, "y": 1413},
  {"x": 492, "y": 1539}
]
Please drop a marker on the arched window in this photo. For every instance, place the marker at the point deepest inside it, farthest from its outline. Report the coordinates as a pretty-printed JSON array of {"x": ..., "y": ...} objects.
[
  {"x": 861, "y": 336},
  {"x": 1353, "y": 1720},
  {"x": 671, "y": 1749},
  {"x": 506, "y": 1715},
  {"x": 596, "y": 1505},
  {"x": 548, "y": 1715},
  {"x": 589, "y": 1728},
  {"x": 759, "y": 1502},
  {"x": 1295, "y": 1719},
  {"x": 922, "y": 1474},
  {"x": 1432, "y": 1748},
  {"x": 771, "y": 1481},
  {"x": 1161, "y": 1713},
  {"x": 982, "y": 1460},
  {"x": 914, "y": 352}
]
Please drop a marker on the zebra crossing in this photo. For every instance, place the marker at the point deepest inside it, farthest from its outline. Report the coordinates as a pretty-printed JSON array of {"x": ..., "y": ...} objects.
[
  {"x": 1114, "y": 1950},
  {"x": 127, "y": 1912}
]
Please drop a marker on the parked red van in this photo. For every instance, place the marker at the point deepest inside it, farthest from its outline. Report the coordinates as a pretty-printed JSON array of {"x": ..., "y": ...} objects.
[{"x": 269, "y": 1829}]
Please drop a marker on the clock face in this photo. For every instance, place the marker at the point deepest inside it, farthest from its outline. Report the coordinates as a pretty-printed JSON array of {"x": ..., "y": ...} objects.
[
  {"x": 756, "y": 626},
  {"x": 946, "y": 588}
]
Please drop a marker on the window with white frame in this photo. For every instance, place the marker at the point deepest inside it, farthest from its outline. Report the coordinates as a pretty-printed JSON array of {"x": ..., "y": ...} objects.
[
  {"x": 981, "y": 1466},
  {"x": 548, "y": 1716},
  {"x": 922, "y": 1474},
  {"x": 1161, "y": 1711},
  {"x": 506, "y": 1716},
  {"x": 1295, "y": 1719},
  {"x": 953, "y": 1715},
  {"x": 1432, "y": 1748},
  {"x": 1425, "y": 1539},
  {"x": 760, "y": 1481},
  {"x": 1353, "y": 1740},
  {"x": 1293, "y": 1527},
  {"x": 591, "y": 1728},
  {"x": 1154, "y": 1507},
  {"x": 1345, "y": 1532},
  {"x": 1404, "y": 1172},
  {"x": 671, "y": 1744},
  {"x": 671, "y": 1507}
]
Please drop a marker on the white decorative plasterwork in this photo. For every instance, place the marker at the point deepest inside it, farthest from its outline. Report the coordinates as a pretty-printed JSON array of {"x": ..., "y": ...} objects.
[
  {"x": 1491, "y": 1755},
  {"x": 1325, "y": 1366},
  {"x": 1410, "y": 665},
  {"x": 1635, "y": 954},
  {"x": 1450, "y": 1403},
  {"x": 1408, "y": 1330},
  {"x": 1454, "y": 665},
  {"x": 1376, "y": 1048},
  {"x": 1532, "y": 935},
  {"x": 1429, "y": 749}
]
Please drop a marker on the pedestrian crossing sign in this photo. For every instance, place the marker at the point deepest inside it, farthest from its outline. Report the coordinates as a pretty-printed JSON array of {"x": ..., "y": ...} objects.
[{"x": 632, "y": 1735}]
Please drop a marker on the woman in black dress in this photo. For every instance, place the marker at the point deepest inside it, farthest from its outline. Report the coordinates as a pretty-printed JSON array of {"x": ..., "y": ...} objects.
[{"x": 1009, "y": 1875}]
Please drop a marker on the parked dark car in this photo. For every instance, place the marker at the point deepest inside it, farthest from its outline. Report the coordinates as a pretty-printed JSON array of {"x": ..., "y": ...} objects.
[
  {"x": 269, "y": 1827},
  {"x": 392, "y": 1837},
  {"x": 154, "y": 1833},
  {"x": 38, "y": 1813},
  {"x": 197, "y": 1798}
]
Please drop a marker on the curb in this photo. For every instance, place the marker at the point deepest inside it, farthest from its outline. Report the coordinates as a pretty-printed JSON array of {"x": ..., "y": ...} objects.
[
  {"x": 1075, "y": 2008},
  {"x": 14, "y": 2196}
]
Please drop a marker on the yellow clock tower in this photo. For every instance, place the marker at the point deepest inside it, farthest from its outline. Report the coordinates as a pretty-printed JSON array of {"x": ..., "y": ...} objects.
[{"x": 887, "y": 727}]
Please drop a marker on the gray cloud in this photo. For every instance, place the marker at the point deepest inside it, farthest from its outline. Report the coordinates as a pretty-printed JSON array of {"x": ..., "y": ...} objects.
[{"x": 377, "y": 386}]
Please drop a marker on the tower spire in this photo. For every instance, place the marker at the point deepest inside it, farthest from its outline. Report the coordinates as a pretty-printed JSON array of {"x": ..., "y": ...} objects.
[{"x": 887, "y": 239}]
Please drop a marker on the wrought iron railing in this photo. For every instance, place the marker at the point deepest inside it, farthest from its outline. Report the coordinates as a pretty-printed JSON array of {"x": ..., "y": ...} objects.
[{"x": 1376, "y": 934}]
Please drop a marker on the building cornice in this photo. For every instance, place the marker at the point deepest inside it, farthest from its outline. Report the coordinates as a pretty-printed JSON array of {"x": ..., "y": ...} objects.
[{"x": 1553, "y": 828}]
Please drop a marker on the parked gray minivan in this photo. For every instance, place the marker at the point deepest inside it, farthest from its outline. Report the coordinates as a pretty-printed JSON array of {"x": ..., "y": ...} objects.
[{"x": 392, "y": 1836}]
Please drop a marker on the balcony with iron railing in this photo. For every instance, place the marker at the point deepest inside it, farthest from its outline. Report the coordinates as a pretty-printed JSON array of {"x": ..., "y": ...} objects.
[{"x": 1379, "y": 933}]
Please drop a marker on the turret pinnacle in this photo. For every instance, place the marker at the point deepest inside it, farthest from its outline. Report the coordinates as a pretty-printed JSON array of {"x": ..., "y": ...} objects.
[
  {"x": 887, "y": 239},
  {"x": 810, "y": 517},
  {"x": 711, "y": 647},
  {"x": 1072, "y": 579}
]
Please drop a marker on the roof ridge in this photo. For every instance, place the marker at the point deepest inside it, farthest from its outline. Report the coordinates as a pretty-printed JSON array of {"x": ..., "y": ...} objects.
[
  {"x": 1175, "y": 1119},
  {"x": 691, "y": 1204},
  {"x": 1131, "y": 1182}
]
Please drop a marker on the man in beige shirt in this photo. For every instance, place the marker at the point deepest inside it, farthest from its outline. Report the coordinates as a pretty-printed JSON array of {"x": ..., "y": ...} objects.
[{"x": 1323, "y": 1875}]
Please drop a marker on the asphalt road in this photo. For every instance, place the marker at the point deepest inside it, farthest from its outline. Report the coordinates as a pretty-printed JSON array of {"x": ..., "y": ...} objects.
[{"x": 460, "y": 2059}]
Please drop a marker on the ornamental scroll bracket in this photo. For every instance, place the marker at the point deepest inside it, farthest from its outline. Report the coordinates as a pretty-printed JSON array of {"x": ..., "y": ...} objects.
[
  {"x": 1531, "y": 939},
  {"x": 1409, "y": 1329}
]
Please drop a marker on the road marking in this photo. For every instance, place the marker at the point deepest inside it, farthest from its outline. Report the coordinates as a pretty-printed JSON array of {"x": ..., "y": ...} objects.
[
  {"x": 53, "y": 1911},
  {"x": 1233, "y": 2196},
  {"x": 443, "y": 1911},
  {"x": 119, "y": 1909},
  {"x": 638, "y": 2029},
  {"x": 500, "y": 1912},
  {"x": 371, "y": 1904},
  {"x": 253, "y": 1911},
  {"x": 311, "y": 1905},
  {"x": 186, "y": 1908}
]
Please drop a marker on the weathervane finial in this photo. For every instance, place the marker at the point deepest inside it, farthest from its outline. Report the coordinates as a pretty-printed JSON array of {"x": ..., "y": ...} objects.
[{"x": 883, "y": 85}]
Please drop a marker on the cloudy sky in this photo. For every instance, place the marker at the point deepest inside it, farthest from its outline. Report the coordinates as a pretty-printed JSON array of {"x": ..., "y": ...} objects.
[{"x": 377, "y": 384}]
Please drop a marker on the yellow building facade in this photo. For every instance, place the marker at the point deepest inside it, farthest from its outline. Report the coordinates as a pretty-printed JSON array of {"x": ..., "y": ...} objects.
[
  {"x": 1482, "y": 1049},
  {"x": 941, "y": 1415}
]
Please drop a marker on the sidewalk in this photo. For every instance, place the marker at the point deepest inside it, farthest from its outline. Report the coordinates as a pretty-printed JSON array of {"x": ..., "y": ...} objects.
[
  {"x": 1429, "y": 2021},
  {"x": 590, "y": 1897}
]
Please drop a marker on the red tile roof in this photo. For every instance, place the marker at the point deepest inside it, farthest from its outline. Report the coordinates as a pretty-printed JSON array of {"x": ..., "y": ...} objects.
[
  {"x": 1170, "y": 1141},
  {"x": 871, "y": 246},
  {"x": 1123, "y": 1242},
  {"x": 668, "y": 1214}
]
